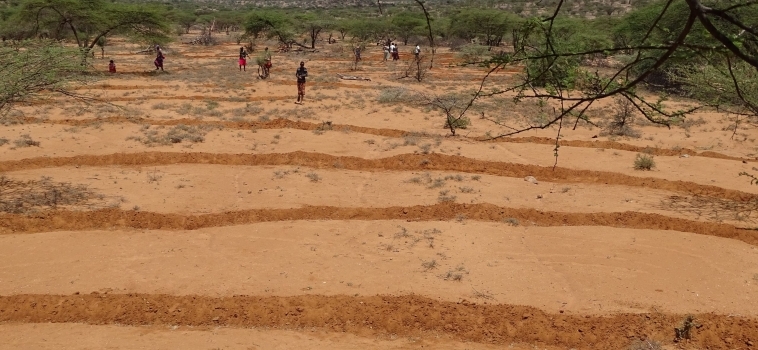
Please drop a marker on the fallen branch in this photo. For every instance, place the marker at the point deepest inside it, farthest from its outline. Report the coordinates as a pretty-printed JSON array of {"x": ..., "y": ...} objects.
[{"x": 352, "y": 77}]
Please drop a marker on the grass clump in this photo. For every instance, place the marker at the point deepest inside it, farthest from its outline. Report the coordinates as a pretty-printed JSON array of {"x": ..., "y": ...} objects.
[
  {"x": 24, "y": 197},
  {"x": 25, "y": 141},
  {"x": 178, "y": 134},
  {"x": 644, "y": 162},
  {"x": 512, "y": 221},
  {"x": 397, "y": 95},
  {"x": 457, "y": 123},
  {"x": 313, "y": 176},
  {"x": 429, "y": 265},
  {"x": 647, "y": 344},
  {"x": 445, "y": 197}
]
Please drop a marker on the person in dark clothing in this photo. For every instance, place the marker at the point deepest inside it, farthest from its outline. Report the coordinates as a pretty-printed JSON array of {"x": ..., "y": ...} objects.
[
  {"x": 301, "y": 74},
  {"x": 159, "y": 58}
]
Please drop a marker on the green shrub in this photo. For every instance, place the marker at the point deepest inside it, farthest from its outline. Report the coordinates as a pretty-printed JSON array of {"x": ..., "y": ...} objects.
[
  {"x": 458, "y": 123},
  {"x": 644, "y": 162}
]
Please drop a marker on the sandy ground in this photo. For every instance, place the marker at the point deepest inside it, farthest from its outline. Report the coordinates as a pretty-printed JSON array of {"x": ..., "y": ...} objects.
[
  {"x": 364, "y": 212},
  {"x": 576, "y": 269},
  {"x": 86, "y": 337}
]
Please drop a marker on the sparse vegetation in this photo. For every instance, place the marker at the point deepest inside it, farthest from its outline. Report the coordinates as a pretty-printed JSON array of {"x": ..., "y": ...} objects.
[
  {"x": 25, "y": 141},
  {"x": 512, "y": 221},
  {"x": 446, "y": 197},
  {"x": 647, "y": 344},
  {"x": 159, "y": 136},
  {"x": 622, "y": 119},
  {"x": 684, "y": 331},
  {"x": 429, "y": 265},
  {"x": 25, "y": 197},
  {"x": 644, "y": 162},
  {"x": 313, "y": 177}
]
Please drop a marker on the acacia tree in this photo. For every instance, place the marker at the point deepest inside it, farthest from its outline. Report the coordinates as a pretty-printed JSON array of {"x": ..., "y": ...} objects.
[
  {"x": 407, "y": 24},
  {"x": 702, "y": 32},
  {"x": 313, "y": 26},
  {"x": 33, "y": 68},
  {"x": 86, "y": 21},
  {"x": 488, "y": 25},
  {"x": 272, "y": 24}
]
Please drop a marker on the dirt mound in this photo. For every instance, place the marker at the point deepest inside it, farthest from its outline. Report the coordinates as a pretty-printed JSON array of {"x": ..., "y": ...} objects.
[
  {"x": 116, "y": 218},
  {"x": 403, "y": 162},
  {"x": 399, "y": 315},
  {"x": 301, "y": 125},
  {"x": 616, "y": 145}
]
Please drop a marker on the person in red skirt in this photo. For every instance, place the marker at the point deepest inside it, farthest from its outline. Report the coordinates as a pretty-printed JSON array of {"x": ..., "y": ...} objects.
[{"x": 243, "y": 59}]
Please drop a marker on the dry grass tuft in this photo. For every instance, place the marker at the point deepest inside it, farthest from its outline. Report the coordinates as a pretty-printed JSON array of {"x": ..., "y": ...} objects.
[{"x": 25, "y": 197}]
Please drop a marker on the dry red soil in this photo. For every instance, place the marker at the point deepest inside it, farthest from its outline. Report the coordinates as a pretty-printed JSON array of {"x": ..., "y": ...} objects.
[{"x": 353, "y": 221}]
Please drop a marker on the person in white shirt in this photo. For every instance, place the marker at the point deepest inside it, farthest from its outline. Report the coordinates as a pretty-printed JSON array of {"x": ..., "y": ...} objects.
[{"x": 417, "y": 51}]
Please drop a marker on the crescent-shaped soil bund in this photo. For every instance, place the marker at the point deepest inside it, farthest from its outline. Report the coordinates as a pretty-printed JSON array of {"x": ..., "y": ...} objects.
[
  {"x": 403, "y": 162},
  {"x": 116, "y": 218},
  {"x": 408, "y": 315},
  {"x": 301, "y": 125}
]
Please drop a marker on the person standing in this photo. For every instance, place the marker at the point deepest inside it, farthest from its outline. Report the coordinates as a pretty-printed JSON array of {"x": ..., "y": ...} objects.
[
  {"x": 301, "y": 74},
  {"x": 267, "y": 62},
  {"x": 357, "y": 52},
  {"x": 243, "y": 59},
  {"x": 159, "y": 58},
  {"x": 417, "y": 51},
  {"x": 386, "y": 52},
  {"x": 112, "y": 67}
]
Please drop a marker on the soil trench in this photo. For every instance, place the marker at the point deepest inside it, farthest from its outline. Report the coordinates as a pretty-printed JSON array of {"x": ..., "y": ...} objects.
[
  {"x": 403, "y": 162},
  {"x": 408, "y": 315},
  {"x": 302, "y": 125},
  {"x": 117, "y": 218}
]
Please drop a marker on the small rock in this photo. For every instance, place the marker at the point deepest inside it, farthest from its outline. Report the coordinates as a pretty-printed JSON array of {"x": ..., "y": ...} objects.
[
  {"x": 525, "y": 316},
  {"x": 531, "y": 179},
  {"x": 744, "y": 162},
  {"x": 539, "y": 196},
  {"x": 216, "y": 318},
  {"x": 749, "y": 343},
  {"x": 684, "y": 156},
  {"x": 405, "y": 211}
]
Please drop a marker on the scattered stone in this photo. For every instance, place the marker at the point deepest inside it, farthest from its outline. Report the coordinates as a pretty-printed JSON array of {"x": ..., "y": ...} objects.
[
  {"x": 539, "y": 196},
  {"x": 531, "y": 179},
  {"x": 684, "y": 156}
]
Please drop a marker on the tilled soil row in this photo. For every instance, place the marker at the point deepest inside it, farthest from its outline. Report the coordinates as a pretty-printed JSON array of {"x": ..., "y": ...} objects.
[
  {"x": 117, "y": 218},
  {"x": 301, "y": 125},
  {"x": 408, "y": 315},
  {"x": 403, "y": 162}
]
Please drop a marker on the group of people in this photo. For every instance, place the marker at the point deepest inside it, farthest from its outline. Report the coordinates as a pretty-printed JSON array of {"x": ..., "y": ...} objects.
[
  {"x": 301, "y": 74},
  {"x": 391, "y": 50},
  {"x": 265, "y": 58}
]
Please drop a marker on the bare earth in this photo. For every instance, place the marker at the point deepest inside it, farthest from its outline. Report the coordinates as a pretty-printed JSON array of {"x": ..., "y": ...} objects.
[{"x": 264, "y": 227}]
